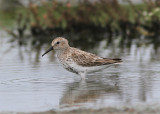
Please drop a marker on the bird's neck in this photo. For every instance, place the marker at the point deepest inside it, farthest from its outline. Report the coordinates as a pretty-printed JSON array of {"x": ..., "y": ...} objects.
[{"x": 62, "y": 51}]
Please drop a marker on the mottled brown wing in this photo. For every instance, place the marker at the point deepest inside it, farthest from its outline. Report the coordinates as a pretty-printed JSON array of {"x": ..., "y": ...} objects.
[{"x": 88, "y": 59}]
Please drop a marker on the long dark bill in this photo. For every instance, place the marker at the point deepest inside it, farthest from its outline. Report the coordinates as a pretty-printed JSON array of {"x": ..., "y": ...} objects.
[{"x": 50, "y": 49}]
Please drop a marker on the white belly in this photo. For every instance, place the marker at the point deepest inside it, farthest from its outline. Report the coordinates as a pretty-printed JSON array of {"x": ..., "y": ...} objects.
[
  {"x": 78, "y": 68},
  {"x": 71, "y": 66}
]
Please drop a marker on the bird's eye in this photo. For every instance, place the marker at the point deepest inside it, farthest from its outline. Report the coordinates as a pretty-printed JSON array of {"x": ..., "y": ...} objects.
[{"x": 57, "y": 42}]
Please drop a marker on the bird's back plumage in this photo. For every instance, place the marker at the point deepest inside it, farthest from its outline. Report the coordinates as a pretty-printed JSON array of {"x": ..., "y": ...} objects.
[{"x": 88, "y": 59}]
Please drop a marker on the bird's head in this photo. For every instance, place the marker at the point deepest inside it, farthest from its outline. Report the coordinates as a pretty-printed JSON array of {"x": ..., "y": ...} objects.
[{"x": 58, "y": 44}]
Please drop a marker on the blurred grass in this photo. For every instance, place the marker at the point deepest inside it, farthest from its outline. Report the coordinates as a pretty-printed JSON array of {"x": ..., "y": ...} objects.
[
  {"x": 6, "y": 18},
  {"x": 104, "y": 16},
  {"x": 97, "y": 17}
]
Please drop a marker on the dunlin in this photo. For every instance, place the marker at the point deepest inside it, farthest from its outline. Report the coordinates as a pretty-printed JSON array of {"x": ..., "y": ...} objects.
[{"x": 78, "y": 61}]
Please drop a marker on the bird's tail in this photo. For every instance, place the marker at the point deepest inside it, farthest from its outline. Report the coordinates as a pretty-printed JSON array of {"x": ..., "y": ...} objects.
[{"x": 118, "y": 61}]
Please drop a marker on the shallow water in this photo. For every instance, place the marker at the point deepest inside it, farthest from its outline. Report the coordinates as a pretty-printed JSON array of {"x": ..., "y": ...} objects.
[{"x": 30, "y": 83}]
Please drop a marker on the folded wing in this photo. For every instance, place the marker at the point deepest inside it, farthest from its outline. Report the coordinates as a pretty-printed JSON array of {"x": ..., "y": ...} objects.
[{"x": 87, "y": 59}]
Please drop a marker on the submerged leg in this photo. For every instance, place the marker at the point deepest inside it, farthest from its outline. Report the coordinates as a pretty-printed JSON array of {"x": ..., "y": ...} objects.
[{"x": 83, "y": 75}]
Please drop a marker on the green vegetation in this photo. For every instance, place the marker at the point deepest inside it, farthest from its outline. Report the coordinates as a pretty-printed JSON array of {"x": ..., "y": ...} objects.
[
  {"x": 6, "y": 18},
  {"x": 104, "y": 16}
]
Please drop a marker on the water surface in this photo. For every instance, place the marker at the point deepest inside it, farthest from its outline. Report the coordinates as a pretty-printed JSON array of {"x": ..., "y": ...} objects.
[{"x": 30, "y": 83}]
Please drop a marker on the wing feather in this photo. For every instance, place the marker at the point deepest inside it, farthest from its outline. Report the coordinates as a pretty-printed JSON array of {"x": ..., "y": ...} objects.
[{"x": 88, "y": 59}]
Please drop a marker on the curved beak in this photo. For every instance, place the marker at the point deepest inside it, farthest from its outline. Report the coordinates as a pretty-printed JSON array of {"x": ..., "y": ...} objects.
[{"x": 50, "y": 49}]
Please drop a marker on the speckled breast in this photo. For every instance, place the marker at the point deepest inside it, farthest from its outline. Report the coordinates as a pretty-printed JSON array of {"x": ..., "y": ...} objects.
[
  {"x": 67, "y": 66},
  {"x": 66, "y": 62}
]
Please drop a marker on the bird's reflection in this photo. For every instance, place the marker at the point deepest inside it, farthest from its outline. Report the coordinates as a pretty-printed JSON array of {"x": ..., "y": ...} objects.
[{"x": 89, "y": 91}]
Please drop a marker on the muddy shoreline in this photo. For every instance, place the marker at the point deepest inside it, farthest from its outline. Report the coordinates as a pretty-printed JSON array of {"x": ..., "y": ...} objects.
[{"x": 151, "y": 109}]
